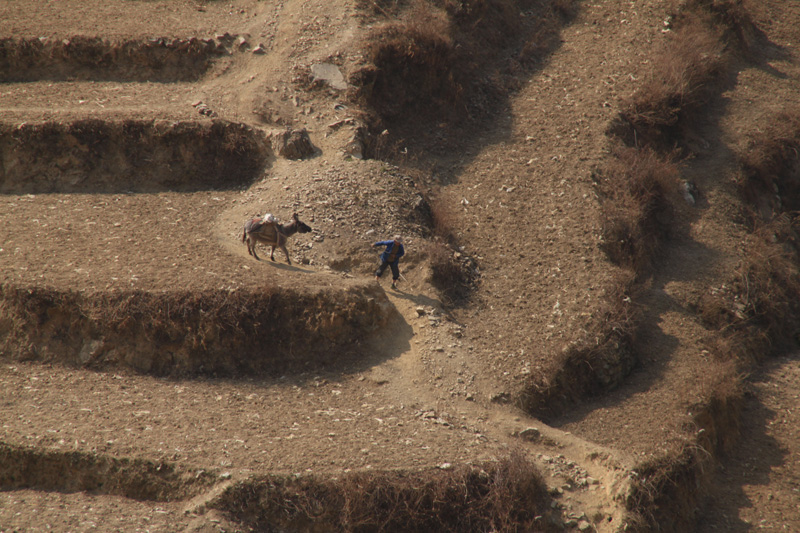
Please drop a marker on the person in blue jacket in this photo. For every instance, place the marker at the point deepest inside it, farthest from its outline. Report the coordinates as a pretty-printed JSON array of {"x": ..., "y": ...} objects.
[{"x": 391, "y": 257}]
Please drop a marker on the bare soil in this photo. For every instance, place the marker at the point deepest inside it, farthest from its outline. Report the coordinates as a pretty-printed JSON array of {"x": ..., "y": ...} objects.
[{"x": 422, "y": 384}]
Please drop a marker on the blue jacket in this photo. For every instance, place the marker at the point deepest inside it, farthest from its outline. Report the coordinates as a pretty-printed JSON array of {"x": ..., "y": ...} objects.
[{"x": 387, "y": 255}]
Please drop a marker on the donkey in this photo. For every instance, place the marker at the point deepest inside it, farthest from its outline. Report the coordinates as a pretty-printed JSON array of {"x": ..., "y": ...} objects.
[{"x": 272, "y": 234}]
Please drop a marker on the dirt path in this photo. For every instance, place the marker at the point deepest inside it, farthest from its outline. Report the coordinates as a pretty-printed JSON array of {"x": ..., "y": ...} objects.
[{"x": 421, "y": 393}]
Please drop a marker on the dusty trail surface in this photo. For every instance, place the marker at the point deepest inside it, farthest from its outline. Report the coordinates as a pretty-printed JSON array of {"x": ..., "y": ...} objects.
[{"x": 422, "y": 391}]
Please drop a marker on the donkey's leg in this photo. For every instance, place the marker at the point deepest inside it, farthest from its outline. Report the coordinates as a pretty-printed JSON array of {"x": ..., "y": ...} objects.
[
  {"x": 286, "y": 253},
  {"x": 251, "y": 247}
]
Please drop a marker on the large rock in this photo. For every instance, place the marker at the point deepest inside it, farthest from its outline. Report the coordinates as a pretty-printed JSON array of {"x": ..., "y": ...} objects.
[{"x": 293, "y": 144}]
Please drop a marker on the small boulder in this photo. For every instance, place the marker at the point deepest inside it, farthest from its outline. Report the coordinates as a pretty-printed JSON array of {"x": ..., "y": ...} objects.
[
  {"x": 330, "y": 74},
  {"x": 530, "y": 434},
  {"x": 293, "y": 144}
]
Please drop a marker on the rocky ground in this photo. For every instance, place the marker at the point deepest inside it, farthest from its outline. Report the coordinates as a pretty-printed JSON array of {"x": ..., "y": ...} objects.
[{"x": 422, "y": 392}]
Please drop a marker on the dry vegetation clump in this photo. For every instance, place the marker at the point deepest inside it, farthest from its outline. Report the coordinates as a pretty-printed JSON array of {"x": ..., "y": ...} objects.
[
  {"x": 453, "y": 273},
  {"x": 129, "y": 155},
  {"x": 28, "y": 468},
  {"x": 730, "y": 17},
  {"x": 770, "y": 176},
  {"x": 179, "y": 333},
  {"x": 594, "y": 365},
  {"x": 413, "y": 66},
  {"x": 424, "y": 59},
  {"x": 685, "y": 76},
  {"x": 636, "y": 188},
  {"x": 758, "y": 312},
  {"x": 92, "y": 58},
  {"x": 665, "y": 491},
  {"x": 509, "y": 495}
]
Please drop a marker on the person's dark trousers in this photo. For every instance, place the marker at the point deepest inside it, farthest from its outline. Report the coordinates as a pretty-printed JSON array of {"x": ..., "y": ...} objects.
[{"x": 395, "y": 270}]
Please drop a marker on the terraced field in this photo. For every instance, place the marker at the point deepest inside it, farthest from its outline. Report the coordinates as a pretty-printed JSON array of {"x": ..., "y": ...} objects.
[{"x": 156, "y": 377}]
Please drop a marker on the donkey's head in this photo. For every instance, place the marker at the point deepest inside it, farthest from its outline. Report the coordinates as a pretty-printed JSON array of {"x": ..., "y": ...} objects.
[{"x": 301, "y": 226}]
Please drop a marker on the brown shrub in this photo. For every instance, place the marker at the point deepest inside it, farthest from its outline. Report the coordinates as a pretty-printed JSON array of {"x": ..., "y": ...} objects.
[
  {"x": 215, "y": 332},
  {"x": 684, "y": 77},
  {"x": 768, "y": 284},
  {"x": 758, "y": 312},
  {"x": 665, "y": 491},
  {"x": 635, "y": 189},
  {"x": 730, "y": 17},
  {"x": 382, "y": 8},
  {"x": 770, "y": 176},
  {"x": 495, "y": 24},
  {"x": 413, "y": 65},
  {"x": 443, "y": 220},
  {"x": 72, "y": 471},
  {"x": 509, "y": 495},
  {"x": 447, "y": 60},
  {"x": 452, "y": 273}
]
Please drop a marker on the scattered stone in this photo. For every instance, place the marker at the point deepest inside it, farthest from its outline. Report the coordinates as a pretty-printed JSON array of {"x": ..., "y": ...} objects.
[
  {"x": 293, "y": 144},
  {"x": 501, "y": 398},
  {"x": 689, "y": 191},
  {"x": 203, "y": 109},
  {"x": 420, "y": 311},
  {"x": 530, "y": 434},
  {"x": 330, "y": 74},
  {"x": 354, "y": 148},
  {"x": 260, "y": 50},
  {"x": 90, "y": 350},
  {"x": 446, "y": 466}
]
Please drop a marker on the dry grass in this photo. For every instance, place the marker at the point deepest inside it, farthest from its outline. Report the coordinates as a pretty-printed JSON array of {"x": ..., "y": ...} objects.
[
  {"x": 636, "y": 189},
  {"x": 414, "y": 65},
  {"x": 684, "y": 77},
  {"x": 29, "y": 468},
  {"x": 687, "y": 74},
  {"x": 730, "y": 17},
  {"x": 597, "y": 363},
  {"x": 506, "y": 496},
  {"x": 758, "y": 312},
  {"x": 770, "y": 176},
  {"x": 424, "y": 60},
  {"x": 185, "y": 333},
  {"x": 443, "y": 220},
  {"x": 452, "y": 273},
  {"x": 665, "y": 490}
]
